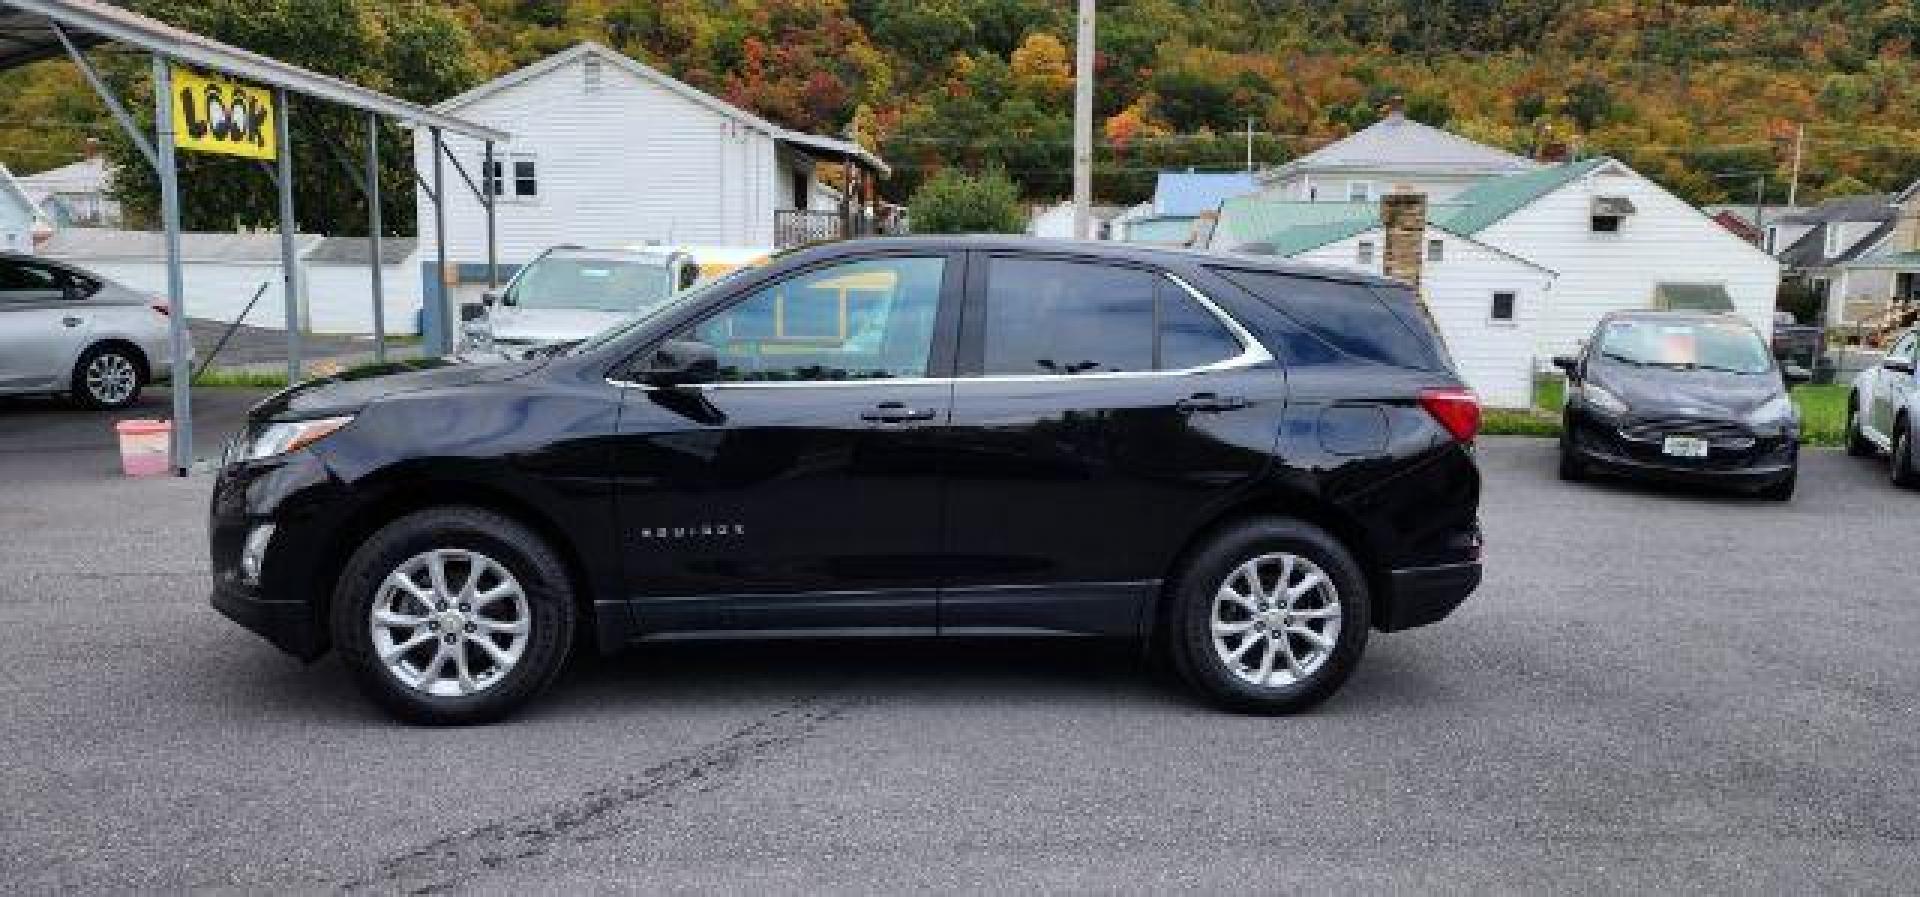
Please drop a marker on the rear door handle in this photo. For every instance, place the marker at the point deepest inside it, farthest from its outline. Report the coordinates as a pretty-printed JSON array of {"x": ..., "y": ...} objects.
[
  {"x": 70, "y": 321},
  {"x": 895, "y": 413},
  {"x": 1207, "y": 401}
]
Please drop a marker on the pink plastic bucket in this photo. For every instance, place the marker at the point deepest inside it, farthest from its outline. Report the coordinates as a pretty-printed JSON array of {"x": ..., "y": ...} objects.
[{"x": 143, "y": 446}]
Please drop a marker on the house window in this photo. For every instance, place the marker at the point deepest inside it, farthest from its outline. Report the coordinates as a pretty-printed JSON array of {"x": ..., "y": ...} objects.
[
  {"x": 1833, "y": 247},
  {"x": 1606, "y": 224},
  {"x": 1364, "y": 254},
  {"x": 512, "y": 177},
  {"x": 590, "y": 74},
  {"x": 1436, "y": 250},
  {"x": 1359, "y": 191},
  {"x": 1773, "y": 240},
  {"x": 1503, "y": 306}
]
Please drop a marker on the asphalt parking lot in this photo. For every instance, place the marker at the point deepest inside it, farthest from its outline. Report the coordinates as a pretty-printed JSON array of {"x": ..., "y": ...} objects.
[{"x": 1651, "y": 691}]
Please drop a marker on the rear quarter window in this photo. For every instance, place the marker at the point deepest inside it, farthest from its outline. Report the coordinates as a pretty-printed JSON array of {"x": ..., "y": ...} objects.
[{"x": 1386, "y": 326}]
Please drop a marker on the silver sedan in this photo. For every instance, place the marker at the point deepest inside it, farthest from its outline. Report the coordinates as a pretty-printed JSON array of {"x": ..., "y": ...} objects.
[{"x": 66, "y": 330}]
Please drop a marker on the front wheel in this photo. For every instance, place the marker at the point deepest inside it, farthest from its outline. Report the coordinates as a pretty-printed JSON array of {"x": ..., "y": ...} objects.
[
  {"x": 1904, "y": 473},
  {"x": 1270, "y": 617},
  {"x": 106, "y": 377},
  {"x": 453, "y": 616},
  {"x": 1572, "y": 469},
  {"x": 1857, "y": 444}
]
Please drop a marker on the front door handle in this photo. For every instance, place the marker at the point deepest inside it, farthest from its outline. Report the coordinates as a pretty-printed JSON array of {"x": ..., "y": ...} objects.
[
  {"x": 70, "y": 321},
  {"x": 895, "y": 413},
  {"x": 1208, "y": 401}
]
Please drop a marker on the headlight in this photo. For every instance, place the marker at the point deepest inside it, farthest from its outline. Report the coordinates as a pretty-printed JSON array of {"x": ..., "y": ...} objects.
[
  {"x": 1775, "y": 410},
  {"x": 1602, "y": 400},
  {"x": 279, "y": 439}
]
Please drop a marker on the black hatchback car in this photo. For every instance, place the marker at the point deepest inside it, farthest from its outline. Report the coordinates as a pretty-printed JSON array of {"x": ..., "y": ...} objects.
[
  {"x": 1680, "y": 396},
  {"x": 1247, "y": 465}
]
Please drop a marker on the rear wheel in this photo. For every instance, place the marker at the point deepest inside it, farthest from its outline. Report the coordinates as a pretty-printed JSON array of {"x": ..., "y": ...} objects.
[
  {"x": 1271, "y": 616},
  {"x": 1857, "y": 444},
  {"x": 453, "y": 616},
  {"x": 106, "y": 377},
  {"x": 1904, "y": 472}
]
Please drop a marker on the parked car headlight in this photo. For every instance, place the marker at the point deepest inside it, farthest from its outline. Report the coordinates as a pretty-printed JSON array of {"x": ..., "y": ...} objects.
[
  {"x": 1777, "y": 410},
  {"x": 1602, "y": 400},
  {"x": 281, "y": 438}
]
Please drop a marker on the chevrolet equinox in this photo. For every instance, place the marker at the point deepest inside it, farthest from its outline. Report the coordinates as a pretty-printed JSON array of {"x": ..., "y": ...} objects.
[{"x": 1244, "y": 464}]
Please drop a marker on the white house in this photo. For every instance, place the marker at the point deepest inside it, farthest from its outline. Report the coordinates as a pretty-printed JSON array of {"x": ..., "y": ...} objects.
[
  {"x": 78, "y": 194},
  {"x": 19, "y": 215},
  {"x": 1395, "y": 151},
  {"x": 1520, "y": 267}
]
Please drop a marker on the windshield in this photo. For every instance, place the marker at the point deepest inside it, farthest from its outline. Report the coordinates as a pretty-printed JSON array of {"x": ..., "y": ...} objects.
[
  {"x": 592, "y": 284},
  {"x": 1691, "y": 345}
]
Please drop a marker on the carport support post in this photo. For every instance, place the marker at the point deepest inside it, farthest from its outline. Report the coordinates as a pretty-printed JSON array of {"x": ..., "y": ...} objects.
[
  {"x": 373, "y": 237},
  {"x": 289, "y": 260},
  {"x": 448, "y": 318},
  {"x": 176, "y": 292}
]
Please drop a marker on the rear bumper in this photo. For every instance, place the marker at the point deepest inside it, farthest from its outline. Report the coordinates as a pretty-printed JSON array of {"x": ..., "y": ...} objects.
[{"x": 1423, "y": 595}]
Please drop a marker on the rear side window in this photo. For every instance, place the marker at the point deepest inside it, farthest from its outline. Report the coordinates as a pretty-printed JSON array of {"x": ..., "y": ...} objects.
[
  {"x": 1388, "y": 326},
  {"x": 1046, "y": 316}
]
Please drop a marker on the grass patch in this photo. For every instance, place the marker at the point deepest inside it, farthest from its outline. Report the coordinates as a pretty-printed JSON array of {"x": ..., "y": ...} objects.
[
  {"x": 235, "y": 377},
  {"x": 1823, "y": 413}
]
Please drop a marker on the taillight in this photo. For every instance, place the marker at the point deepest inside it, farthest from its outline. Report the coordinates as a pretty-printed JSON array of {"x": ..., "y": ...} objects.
[{"x": 1455, "y": 408}]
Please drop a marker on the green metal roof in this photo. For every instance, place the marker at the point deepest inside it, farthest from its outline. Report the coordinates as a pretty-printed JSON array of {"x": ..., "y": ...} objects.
[
  {"x": 1292, "y": 227},
  {"x": 1165, "y": 229},
  {"x": 1483, "y": 204}
]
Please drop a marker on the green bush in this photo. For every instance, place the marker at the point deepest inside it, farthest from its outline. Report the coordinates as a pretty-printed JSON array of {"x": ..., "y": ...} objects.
[{"x": 954, "y": 202}]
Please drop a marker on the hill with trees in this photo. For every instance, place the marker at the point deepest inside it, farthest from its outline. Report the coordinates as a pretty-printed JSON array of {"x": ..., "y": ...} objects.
[{"x": 1698, "y": 95}]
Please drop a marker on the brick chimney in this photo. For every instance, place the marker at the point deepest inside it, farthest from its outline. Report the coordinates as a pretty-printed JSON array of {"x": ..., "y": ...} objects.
[
  {"x": 91, "y": 149},
  {"x": 1403, "y": 217}
]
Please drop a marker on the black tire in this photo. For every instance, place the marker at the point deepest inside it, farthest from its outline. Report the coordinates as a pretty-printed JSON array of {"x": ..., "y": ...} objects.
[
  {"x": 1903, "y": 466},
  {"x": 1572, "y": 469},
  {"x": 1782, "y": 490},
  {"x": 1190, "y": 639},
  {"x": 1857, "y": 444},
  {"x": 124, "y": 375},
  {"x": 537, "y": 569}
]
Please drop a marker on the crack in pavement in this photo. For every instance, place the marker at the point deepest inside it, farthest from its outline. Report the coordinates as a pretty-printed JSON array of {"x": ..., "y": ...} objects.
[{"x": 445, "y": 863}]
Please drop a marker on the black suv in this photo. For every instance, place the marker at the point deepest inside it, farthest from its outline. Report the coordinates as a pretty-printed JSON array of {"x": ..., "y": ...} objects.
[{"x": 1245, "y": 464}]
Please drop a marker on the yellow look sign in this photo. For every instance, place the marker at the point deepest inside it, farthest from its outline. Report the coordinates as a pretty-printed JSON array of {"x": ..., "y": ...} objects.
[{"x": 218, "y": 115}]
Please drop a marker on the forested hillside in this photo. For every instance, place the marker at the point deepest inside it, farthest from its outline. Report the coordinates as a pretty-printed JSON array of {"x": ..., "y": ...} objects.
[{"x": 1697, "y": 95}]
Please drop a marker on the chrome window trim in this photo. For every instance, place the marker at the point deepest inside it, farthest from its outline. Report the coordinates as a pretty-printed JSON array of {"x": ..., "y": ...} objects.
[{"x": 1252, "y": 354}]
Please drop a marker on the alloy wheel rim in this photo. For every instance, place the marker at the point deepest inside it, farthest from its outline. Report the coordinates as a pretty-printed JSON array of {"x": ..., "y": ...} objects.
[
  {"x": 1275, "y": 620},
  {"x": 450, "y": 622},
  {"x": 111, "y": 378}
]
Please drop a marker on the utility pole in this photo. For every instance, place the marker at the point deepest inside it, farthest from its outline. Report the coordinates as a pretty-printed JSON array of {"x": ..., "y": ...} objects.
[
  {"x": 1249, "y": 144},
  {"x": 1083, "y": 124},
  {"x": 1799, "y": 141}
]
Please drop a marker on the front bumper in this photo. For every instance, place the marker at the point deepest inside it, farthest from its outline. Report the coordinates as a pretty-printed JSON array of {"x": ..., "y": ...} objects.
[
  {"x": 1423, "y": 595},
  {"x": 1737, "y": 455},
  {"x": 290, "y": 625},
  {"x": 306, "y": 506}
]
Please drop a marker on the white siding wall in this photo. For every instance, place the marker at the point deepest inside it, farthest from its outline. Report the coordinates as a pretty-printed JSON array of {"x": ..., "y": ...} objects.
[
  {"x": 629, "y": 162},
  {"x": 1332, "y": 186},
  {"x": 1665, "y": 241},
  {"x": 338, "y": 296},
  {"x": 1496, "y": 359}
]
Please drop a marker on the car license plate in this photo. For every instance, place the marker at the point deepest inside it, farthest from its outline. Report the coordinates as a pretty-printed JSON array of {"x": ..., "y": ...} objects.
[{"x": 1685, "y": 447}]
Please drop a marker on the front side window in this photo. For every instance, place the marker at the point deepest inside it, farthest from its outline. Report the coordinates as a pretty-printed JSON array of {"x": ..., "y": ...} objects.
[
  {"x": 25, "y": 279},
  {"x": 1045, "y": 316},
  {"x": 866, "y": 320}
]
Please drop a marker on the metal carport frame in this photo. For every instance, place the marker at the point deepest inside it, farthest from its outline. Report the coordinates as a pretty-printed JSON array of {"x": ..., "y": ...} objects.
[{"x": 33, "y": 30}]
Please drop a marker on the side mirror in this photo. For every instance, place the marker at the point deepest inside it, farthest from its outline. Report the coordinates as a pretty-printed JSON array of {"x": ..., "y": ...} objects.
[
  {"x": 689, "y": 276},
  {"x": 1568, "y": 363},
  {"x": 1795, "y": 374},
  {"x": 1901, "y": 365},
  {"x": 472, "y": 311},
  {"x": 680, "y": 362}
]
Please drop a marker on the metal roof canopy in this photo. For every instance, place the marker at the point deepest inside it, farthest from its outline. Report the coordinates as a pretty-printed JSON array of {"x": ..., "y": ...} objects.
[
  {"x": 25, "y": 36},
  {"x": 35, "y": 30}
]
